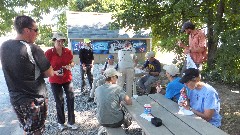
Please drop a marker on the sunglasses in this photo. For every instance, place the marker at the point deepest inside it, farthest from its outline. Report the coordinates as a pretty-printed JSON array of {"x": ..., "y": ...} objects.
[{"x": 35, "y": 30}]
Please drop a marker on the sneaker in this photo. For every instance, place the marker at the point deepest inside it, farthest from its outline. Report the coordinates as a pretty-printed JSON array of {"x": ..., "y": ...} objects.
[
  {"x": 74, "y": 126},
  {"x": 90, "y": 99},
  {"x": 61, "y": 127}
]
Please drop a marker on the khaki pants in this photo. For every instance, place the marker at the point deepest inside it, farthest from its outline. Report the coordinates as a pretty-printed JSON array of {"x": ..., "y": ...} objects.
[{"x": 127, "y": 77}]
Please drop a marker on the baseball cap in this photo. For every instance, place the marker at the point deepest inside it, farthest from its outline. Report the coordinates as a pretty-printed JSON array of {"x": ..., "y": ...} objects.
[
  {"x": 110, "y": 56},
  {"x": 86, "y": 40},
  {"x": 58, "y": 36},
  {"x": 171, "y": 69},
  {"x": 111, "y": 72},
  {"x": 189, "y": 74},
  {"x": 187, "y": 25},
  {"x": 150, "y": 54}
]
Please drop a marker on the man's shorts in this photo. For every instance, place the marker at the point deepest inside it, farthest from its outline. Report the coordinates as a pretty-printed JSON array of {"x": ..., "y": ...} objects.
[{"x": 32, "y": 115}]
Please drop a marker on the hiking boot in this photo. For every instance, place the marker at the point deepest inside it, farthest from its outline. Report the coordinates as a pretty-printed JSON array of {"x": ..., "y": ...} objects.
[
  {"x": 61, "y": 127},
  {"x": 73, "y": 126},
  {"x": 90, "y": 99}
]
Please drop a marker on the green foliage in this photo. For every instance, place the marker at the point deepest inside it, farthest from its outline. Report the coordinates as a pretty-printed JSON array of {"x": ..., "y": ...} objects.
[{"x": 227, "y": 68}]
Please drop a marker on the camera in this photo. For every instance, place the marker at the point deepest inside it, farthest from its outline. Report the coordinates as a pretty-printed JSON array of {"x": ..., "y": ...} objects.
[{"x": 60, "y": 71}]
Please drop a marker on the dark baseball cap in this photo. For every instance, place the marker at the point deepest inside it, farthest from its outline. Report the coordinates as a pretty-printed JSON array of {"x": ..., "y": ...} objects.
[
  {"x": 189, "y": 74},
  {"x": 110, "y": 56},
  {"x": 187, "y": 25}
]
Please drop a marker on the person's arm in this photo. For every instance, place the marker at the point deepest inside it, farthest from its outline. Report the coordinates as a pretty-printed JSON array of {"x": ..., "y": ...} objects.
[
  {"x": 206, "y": 115},
  {"x": 49, "y": 72},
  {"x": 128, "y": 100}
]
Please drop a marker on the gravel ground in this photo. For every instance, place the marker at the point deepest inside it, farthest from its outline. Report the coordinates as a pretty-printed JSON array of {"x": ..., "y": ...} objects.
[{"x": 85, "y": 112}]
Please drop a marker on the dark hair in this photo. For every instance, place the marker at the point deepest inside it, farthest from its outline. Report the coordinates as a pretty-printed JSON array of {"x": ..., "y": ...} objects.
[
  {"x": 108, "y": 79},
  {"x": 22, "y": 22}
]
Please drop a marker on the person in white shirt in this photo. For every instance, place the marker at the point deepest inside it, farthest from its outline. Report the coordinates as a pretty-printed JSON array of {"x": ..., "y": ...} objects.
[{"x": 127, "y": 60}]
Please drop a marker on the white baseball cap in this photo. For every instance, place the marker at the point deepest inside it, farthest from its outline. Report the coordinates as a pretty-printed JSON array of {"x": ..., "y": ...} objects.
[
  {"x": 171, "y": 69},
  {"x": 58, "y": 36},
  {"x": 111, "y": 72},
  {"x": 150, "y": 54}
]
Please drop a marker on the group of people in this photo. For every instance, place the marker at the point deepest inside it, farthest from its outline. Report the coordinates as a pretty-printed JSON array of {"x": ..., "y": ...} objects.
[{"x": 25, "y": 66}]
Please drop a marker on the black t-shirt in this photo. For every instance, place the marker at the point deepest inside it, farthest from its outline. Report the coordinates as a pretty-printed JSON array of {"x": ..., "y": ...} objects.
[
  {"x": 19, "y": 71},
  {"x": 86, "y": 55}
]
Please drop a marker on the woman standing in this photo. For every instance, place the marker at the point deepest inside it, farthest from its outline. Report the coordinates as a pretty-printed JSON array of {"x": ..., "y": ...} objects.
[{"x": 61, "y": 59}]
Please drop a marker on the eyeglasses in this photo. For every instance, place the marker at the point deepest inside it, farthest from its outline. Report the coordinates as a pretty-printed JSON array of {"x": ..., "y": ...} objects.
[
  {"x": 116, "y": 76},
  {"x": 35, "y": 30}
]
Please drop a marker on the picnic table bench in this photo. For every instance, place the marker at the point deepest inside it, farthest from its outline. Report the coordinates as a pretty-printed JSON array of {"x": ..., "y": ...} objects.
[{"x": 173, "y": 123}]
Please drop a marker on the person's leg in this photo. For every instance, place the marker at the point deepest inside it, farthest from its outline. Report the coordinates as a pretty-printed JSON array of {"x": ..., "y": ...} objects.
[
  {"x": 149, "y": 82},
  {"x": 184, "y": 67},
  {"x": 129, "y": 81},
  {"x": 82, "y": 81},
  {"x": 141, "y": 82},
  {"x": 122, "y": 78},
  {"x": 68, "y": 89},
  {"x": 89, "y": 76},
  {"x": 95, "y": 86},
  {"x": 32, "y": 116},
  {"x": 58, "y": 96}
]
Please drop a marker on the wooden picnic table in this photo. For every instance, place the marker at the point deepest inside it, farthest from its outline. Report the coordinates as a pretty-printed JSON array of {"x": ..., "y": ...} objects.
[{"x": 173, "y": 123}]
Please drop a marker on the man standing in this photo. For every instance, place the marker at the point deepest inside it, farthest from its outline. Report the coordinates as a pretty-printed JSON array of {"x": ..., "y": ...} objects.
[
  {"x": 25, "y": 66},
  {"x": 154, "y": 68},
  {"x": 197, "y": 47},
  {"x": 86, "y": 62},
  {"x": 126, "y": 62}
]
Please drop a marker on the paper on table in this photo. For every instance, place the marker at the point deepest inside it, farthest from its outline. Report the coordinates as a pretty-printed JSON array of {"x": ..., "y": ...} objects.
[
  {"x": 146, "y": 116},
  {"x": 184, "y": 111}
]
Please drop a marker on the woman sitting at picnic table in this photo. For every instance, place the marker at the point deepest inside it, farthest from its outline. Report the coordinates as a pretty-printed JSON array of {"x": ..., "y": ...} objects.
[{"x": 203, "y": 98}]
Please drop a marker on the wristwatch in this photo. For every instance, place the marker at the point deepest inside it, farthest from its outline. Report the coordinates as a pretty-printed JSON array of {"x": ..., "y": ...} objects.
[{"x": 190, "y": 109}]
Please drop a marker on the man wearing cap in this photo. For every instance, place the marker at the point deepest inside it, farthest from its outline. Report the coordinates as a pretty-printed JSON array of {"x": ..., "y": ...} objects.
[
  {"x": 154, "y": 68},
  {"x": 109, "y": 97},
  {"x": 197, "y": 46},
  {"x": 86, "y": 62},
  {"x": 203, "y": 98},
  {"x": 101, "y": 79},
  {"x": 127, "y": 60},
  {"x": 24, "y": 66},
  {"x": 61, "y": 59},
  {"x": 174, "y": 86}
]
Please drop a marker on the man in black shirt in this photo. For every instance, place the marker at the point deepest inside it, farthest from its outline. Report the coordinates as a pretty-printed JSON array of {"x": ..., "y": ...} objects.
[
  {"x": 24, "y": 66},
  {"x": 86, "y": 63}
]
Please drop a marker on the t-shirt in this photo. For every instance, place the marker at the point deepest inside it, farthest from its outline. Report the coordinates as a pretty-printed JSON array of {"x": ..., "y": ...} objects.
[
  {"x": 19, "y": 71},
  {"x": 153, "y": 66},
  {"x": 86, "y": 55},
  {"x": 206, "y": 98},
  {"x": 126, "y": 58},
  {"x": 108, "y": 98},
  {"x": 173, "y": 89},
  {"x": 57, "y": 62}
]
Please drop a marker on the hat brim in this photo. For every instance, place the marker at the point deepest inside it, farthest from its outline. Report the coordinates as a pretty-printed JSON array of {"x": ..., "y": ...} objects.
[{"x": 186, "y": 79}]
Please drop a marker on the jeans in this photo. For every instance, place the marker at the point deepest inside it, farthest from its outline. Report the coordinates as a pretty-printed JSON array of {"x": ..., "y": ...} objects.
[{"x": 57, "y": 90}]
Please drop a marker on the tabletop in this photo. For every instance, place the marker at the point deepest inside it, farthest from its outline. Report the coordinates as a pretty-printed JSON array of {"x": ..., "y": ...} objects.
[{"x": 173, "y": 122}]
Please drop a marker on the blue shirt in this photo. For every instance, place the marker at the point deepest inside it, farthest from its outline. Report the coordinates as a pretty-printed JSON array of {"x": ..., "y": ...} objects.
[
  {"x": 206, "y": 98},
  {"x": 173, "y": 89}
]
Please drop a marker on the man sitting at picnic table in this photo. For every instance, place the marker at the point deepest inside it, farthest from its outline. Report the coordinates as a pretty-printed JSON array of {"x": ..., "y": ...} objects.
[
  {"x": 153, "y": 67},
  {"x": 203, "y": 98},
  {"x": 174, "y": 86},
  {"x": 109, "y": 97}
]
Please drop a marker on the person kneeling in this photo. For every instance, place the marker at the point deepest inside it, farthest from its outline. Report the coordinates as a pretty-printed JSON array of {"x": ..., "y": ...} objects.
[{"x": 109, "y": 97}]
